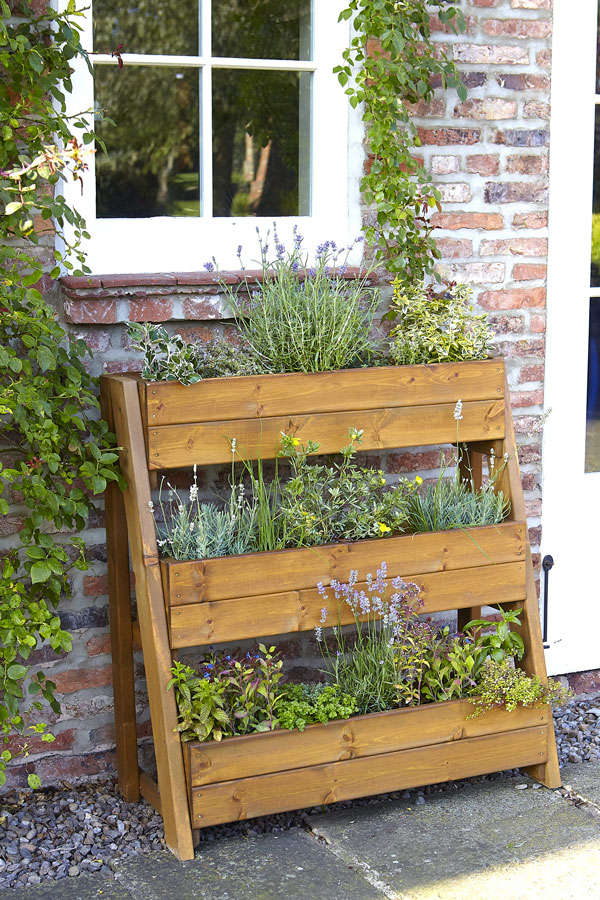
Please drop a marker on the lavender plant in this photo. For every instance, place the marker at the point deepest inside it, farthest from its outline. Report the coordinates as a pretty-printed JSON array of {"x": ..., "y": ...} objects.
[
  {"x": 367, "y": 668},
  {"x": 189, "y": 529},
  {"x": 299, "y": 317}
]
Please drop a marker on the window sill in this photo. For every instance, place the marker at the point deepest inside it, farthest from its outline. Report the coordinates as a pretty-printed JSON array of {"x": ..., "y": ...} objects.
[{"x": 161, "y": 297}]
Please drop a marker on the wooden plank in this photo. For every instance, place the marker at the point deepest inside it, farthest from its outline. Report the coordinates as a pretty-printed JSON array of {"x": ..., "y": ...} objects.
[
  {"x": 534, "y": 662},
  {"x": 220, "y": 399},
  {"x": 278, "y": 571},
  {"x": 178, "y": 446},
  {"x": 283, "y": 613},
  {"x": 152, "y": 618},
  {"x": 399, "y": 729},
  {"x": 121, "y": 629},
  {"x": 315, "y": 785},
  {"x": 149, "y": 791}
]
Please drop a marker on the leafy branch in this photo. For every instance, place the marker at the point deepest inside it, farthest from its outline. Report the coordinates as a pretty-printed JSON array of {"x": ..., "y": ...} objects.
[{"x": 390, "y": 65}]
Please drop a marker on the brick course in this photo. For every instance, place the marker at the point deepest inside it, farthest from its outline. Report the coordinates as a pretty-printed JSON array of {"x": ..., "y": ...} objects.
[{"x": 487, "y": 155}]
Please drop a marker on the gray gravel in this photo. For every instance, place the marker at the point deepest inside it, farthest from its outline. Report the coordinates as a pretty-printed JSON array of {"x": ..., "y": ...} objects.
[{"x": 71, "y": 831}]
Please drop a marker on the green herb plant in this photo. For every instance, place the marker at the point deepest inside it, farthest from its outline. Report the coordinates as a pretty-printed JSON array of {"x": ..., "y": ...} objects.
[
  {"x": 55, "y": 454},
  {"x": 436, "y": 325},
  {"x": 306, "y": 704},
  {"x": 168, "y": 357},
  {"x": 324, "y": 503},
  {"x": 390, "y": 65},
  {"x": 298, "y": 317},
  {"x": 502, "y": 684}
]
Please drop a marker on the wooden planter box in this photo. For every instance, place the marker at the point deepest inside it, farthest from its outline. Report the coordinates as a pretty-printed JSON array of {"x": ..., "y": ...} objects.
[
  {"x": 182, "y": 604},
  {"x": 276, "y": 771},
  {"x": 236, "y": 597}
]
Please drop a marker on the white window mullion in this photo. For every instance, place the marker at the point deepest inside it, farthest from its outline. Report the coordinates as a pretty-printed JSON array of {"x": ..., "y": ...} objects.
[{"x": 206, "y": 139}]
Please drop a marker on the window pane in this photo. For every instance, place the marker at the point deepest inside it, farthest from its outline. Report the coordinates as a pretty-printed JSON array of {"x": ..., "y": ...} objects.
[
  {"x": 152, "y": 164},
  {"x": 146, "y": 26},
  {"x": 595, "y": 268},
  {"x": 262, "y": 29},
  {"x": 261, "y": 143},
  {"x": 592, "y": 444}
]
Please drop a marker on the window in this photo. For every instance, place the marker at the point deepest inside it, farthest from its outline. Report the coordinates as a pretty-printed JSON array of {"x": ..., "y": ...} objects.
[{"x": 227, "y": 117}]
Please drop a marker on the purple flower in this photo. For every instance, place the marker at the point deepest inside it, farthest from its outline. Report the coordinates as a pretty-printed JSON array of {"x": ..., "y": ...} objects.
[
  {"x": 295, "y": 266},
  {"x": 209, "y": 267},
  {"x": 312, "y": 272}
]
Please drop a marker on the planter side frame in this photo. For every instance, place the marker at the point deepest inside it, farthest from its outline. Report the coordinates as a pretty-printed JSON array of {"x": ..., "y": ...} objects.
[{"x": 129, "y": 405}]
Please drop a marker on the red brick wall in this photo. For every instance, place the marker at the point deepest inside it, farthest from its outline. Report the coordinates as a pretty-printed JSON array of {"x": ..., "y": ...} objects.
[{"x": 489, "y": 155}]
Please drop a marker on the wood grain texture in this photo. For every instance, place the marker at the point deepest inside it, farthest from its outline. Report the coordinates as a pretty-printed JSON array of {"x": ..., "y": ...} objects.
[
  {"x": 315, "y": 785},
  {"x": 152, "y": 618},
  {"x": 400, "y": 729},
  {"x": 283, "y": 613},
  {"x": 259, "y": 396},
  {"x": 534, "y": 662},
  {"x": 256, "y": 574},
  {"x": 149, "y": 791},
  {"x": 208, "y": 443},
  {"x": 121, "y": 628}
]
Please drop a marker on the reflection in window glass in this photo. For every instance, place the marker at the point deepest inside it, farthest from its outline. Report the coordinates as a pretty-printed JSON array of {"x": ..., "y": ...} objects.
[
  {"x": 261, "y": 143},
  {"x": 595, "y": 267},
  {"x": 592, "y": 443},
  {"x": 262, "y": 29},
  {"x": 146, "y": 26},
  {"x": 151, "y": 167}
]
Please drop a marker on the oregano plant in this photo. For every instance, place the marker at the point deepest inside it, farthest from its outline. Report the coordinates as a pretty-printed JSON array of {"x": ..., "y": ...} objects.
[
  {"x": 391, "y": 64},
  {"x": 55, "y": 452}
]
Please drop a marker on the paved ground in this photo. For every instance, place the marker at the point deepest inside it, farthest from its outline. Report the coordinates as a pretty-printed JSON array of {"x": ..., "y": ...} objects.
[{"x": 474, "y": 841}]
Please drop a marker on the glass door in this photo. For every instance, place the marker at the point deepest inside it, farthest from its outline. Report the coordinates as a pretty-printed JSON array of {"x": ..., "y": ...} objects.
[{"x": 571, "y": 447}]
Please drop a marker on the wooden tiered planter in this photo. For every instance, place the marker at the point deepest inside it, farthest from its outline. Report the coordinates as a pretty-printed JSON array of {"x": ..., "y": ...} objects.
[{"x": 183, "y": 604}]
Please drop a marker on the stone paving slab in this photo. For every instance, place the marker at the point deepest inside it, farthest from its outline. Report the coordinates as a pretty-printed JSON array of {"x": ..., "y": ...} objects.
[
  {"x": 84, "y": 887},
  {"x": 584, "y": 779},
  {"x": 482, "y": 840},
  {"x": 290, "y": 865}
]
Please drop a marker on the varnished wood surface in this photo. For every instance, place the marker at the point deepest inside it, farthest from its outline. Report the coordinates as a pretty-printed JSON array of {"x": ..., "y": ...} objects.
[
  {"x": 259, "y": 396},
  {"x": 401, "y": 729},
  {"x": 208, "y": 443},
  {"x": 256, "y": 574},
  {"x": 152, "y": 618},
  {"x": 121, "y": 629},
  {"x": 360, "y": 777},
  {"x": 282, "y": 613}
]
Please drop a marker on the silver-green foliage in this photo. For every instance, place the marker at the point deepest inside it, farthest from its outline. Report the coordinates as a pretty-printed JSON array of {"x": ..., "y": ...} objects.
[
  {"x": 436, "y": 327},
  {"x": 454, "y": 503},
  {"x": 193, "y": 530},
  {"x": 168, "y": 357},
  {"x": 303, "y": 318}
]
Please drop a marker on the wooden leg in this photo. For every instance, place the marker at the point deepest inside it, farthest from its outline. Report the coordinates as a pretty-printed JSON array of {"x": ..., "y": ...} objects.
[
  {"x": 152, "y": 620},
  {"x": 465, "y": 615},
  {"x": 121, "y": 636}
]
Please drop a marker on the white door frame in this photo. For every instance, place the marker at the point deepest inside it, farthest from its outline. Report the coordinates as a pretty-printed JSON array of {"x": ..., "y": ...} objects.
[{"x": 571, "y": 498}]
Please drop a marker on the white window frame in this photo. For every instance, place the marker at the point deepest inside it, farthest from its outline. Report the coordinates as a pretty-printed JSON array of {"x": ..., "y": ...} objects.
[{"x": 163, "y": 244}]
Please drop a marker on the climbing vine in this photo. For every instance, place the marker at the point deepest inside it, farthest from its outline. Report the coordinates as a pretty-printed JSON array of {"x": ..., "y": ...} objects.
[
  {"x": 55, "y": 453},
  {"x": 391, "y": 65}
]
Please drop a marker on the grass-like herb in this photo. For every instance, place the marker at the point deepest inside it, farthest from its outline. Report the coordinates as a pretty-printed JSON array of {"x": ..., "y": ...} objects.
[{"x": 305, "y": 318}]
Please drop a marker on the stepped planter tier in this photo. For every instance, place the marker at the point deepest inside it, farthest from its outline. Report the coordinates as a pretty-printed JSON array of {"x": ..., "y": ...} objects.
[
  {"x": 165, "y": 425},
  {"x": 260, "y": 774}
]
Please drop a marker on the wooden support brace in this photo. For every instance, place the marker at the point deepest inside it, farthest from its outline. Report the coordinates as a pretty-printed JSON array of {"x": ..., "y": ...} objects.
[
  {"x": 152, "y": 618},
  {"x": 119, "y": 600}
]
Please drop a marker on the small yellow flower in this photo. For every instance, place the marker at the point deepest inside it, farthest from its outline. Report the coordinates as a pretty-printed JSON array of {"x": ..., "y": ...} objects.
[
  {"x": 295, "y": 442},
  {"x": 418, "y": 480},
  {"x": 382, "y": 481},
  {"x": 383, "y": 528}
]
